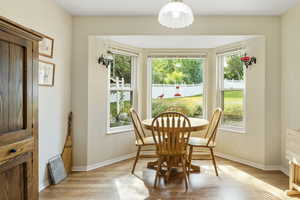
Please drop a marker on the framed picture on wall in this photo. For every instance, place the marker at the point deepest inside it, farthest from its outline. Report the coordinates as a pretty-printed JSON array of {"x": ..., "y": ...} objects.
[
  {"x": 46, "y": 47},
  {"x": 46, "y": 73}
]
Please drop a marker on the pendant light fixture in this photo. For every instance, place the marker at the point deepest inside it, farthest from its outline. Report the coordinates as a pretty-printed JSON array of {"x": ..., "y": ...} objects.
[{"x": 176, "y": 14}]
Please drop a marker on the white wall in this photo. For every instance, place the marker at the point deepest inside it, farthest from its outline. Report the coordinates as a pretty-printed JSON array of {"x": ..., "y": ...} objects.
[
  {"x": 290, "y": 73},
  {"x": 54, "y": 103},
  {"x": 83, "y": 27},
  {"x": 100, "y": 145},
  {"x": 250, "y": 145}
]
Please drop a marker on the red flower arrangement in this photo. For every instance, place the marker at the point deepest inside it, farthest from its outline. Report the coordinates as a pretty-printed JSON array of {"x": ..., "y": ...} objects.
[{"x": 247, "y": 60}]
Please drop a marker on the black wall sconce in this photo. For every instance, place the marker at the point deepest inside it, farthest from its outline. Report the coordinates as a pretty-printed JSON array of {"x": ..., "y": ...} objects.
[{"x": 106, "y": 60}]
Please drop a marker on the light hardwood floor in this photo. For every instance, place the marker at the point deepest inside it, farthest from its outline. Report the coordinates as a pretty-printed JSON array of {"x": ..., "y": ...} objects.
[{"x": 236, "y": 182}]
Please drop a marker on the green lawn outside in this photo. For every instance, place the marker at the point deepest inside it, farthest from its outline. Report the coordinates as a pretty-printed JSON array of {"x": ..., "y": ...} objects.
[
  {"x": 233, "y": 108},
  {"x": 193, "y": 106},
  {"x": 122, "y": 118}
]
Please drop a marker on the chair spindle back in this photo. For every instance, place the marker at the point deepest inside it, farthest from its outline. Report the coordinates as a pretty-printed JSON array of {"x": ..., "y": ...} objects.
[{"x": 171, "y": 132}]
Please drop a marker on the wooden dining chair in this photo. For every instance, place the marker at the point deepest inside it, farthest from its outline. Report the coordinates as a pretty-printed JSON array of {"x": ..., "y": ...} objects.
[
  {"x": 171, "y": 132},
  {"x": 208, "y": 141},
  {"x": 141, "y": 140}
]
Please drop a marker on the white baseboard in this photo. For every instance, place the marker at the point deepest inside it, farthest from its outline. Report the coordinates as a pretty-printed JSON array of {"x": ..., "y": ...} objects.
[
  {"x": 104, "y": 163},
  {"x": 43, "y": 185},
  {"x": 222, "y": 155},
  {"x": 285, "y": 171},
  {"x": 250, "y": 163},
  {"x": 79, "y": 168}
]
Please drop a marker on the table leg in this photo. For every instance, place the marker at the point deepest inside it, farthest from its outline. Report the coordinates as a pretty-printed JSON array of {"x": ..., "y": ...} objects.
[{"x": 154, "y": 165}]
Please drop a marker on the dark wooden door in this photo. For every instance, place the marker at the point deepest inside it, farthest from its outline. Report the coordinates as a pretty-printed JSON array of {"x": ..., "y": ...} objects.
[
  {"x": 15, "y": 176},
  {"x": 16, "y": 117}
]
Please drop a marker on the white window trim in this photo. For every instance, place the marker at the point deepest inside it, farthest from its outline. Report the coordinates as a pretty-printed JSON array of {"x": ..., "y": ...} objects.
[
  {"x": 220, "y": 88},
  {"x": 120, "y": 129},
  {"x": 126, "y": 128},
  {"x": 149, "y": 81},
  {"x": 149, "y": 87}
]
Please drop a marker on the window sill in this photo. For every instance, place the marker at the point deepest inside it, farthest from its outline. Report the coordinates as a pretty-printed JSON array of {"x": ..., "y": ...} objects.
[
  {"x": 233, "y": 130},
  {"x": 119, "y": 130}
]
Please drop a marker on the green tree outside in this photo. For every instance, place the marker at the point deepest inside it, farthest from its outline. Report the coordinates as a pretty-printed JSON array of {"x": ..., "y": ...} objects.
[
  {"x": 121, "y": 67},
  {"x": 234, "y": 69},
  {"x": 177, "y": 71}
]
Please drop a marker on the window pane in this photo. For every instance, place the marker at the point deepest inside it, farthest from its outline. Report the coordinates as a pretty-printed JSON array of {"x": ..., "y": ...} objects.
[
  {"x": 233, "y": 108},
  {"x": 233, "y": 72},
  {"x": 120, "y": 103},
  {"x": 120, "y": 99},
  {"x": 232, "y": 90},
  {"x": 121, "y": 70},
  {"x": 177, "y": 85}
]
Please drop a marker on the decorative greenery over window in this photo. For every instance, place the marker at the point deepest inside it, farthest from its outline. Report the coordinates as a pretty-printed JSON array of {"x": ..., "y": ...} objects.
[
  {"x": 231, "y": 90},
  {"x": 177, "y": 85},
  {"x": 121, "y": 90}
]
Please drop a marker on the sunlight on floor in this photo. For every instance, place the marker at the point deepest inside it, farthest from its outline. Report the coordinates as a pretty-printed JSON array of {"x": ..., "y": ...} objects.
[
  {"x": 253, "y": 181},
  {"x": 131, "y": 189},
  {"x": 135, "y": 188}
]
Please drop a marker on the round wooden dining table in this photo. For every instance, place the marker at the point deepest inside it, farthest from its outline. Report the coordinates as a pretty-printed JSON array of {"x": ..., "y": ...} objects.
[{"x": 197, "y": 124}]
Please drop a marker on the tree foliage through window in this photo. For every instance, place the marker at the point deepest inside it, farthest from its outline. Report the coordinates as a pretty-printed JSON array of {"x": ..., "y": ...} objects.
[
  {"x": 234, "y": 69},
  {"x": 122, "y": 67},
  {"x": 177, "y": 71}
]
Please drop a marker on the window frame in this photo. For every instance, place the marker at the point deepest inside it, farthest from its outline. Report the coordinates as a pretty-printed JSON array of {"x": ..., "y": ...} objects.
[
  {"x": 220, "y": 89},
  {"x": 134, "y": 57},
  {"x": 150, "y": 75}
]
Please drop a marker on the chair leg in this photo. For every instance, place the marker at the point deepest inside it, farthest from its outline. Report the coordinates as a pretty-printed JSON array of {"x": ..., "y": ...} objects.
[
  {"x": 136, "y": 158},
  {"x": 183, "y": 163},
  {"x": 214, "y": 161},
  {"x": 190, "y": 159},
  {"x": 168, "y": 173},
  {"x": 158, "y": 169}
]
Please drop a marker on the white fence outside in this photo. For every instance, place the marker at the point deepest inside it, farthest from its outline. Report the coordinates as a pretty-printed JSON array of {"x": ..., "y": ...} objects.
[
  {"x": 169, "y": 91},
  {"x": 236, "y": 84},
  {"x": 187, "y": 90}
]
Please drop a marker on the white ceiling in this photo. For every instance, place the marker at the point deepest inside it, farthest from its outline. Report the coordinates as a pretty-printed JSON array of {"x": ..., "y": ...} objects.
[
  {"x": 152, "y": 7},
  {"x": 171, "y": 42}
]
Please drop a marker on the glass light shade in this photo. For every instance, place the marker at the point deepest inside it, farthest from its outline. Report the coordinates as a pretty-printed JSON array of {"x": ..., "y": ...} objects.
[{"x": 176, "y": 14}]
